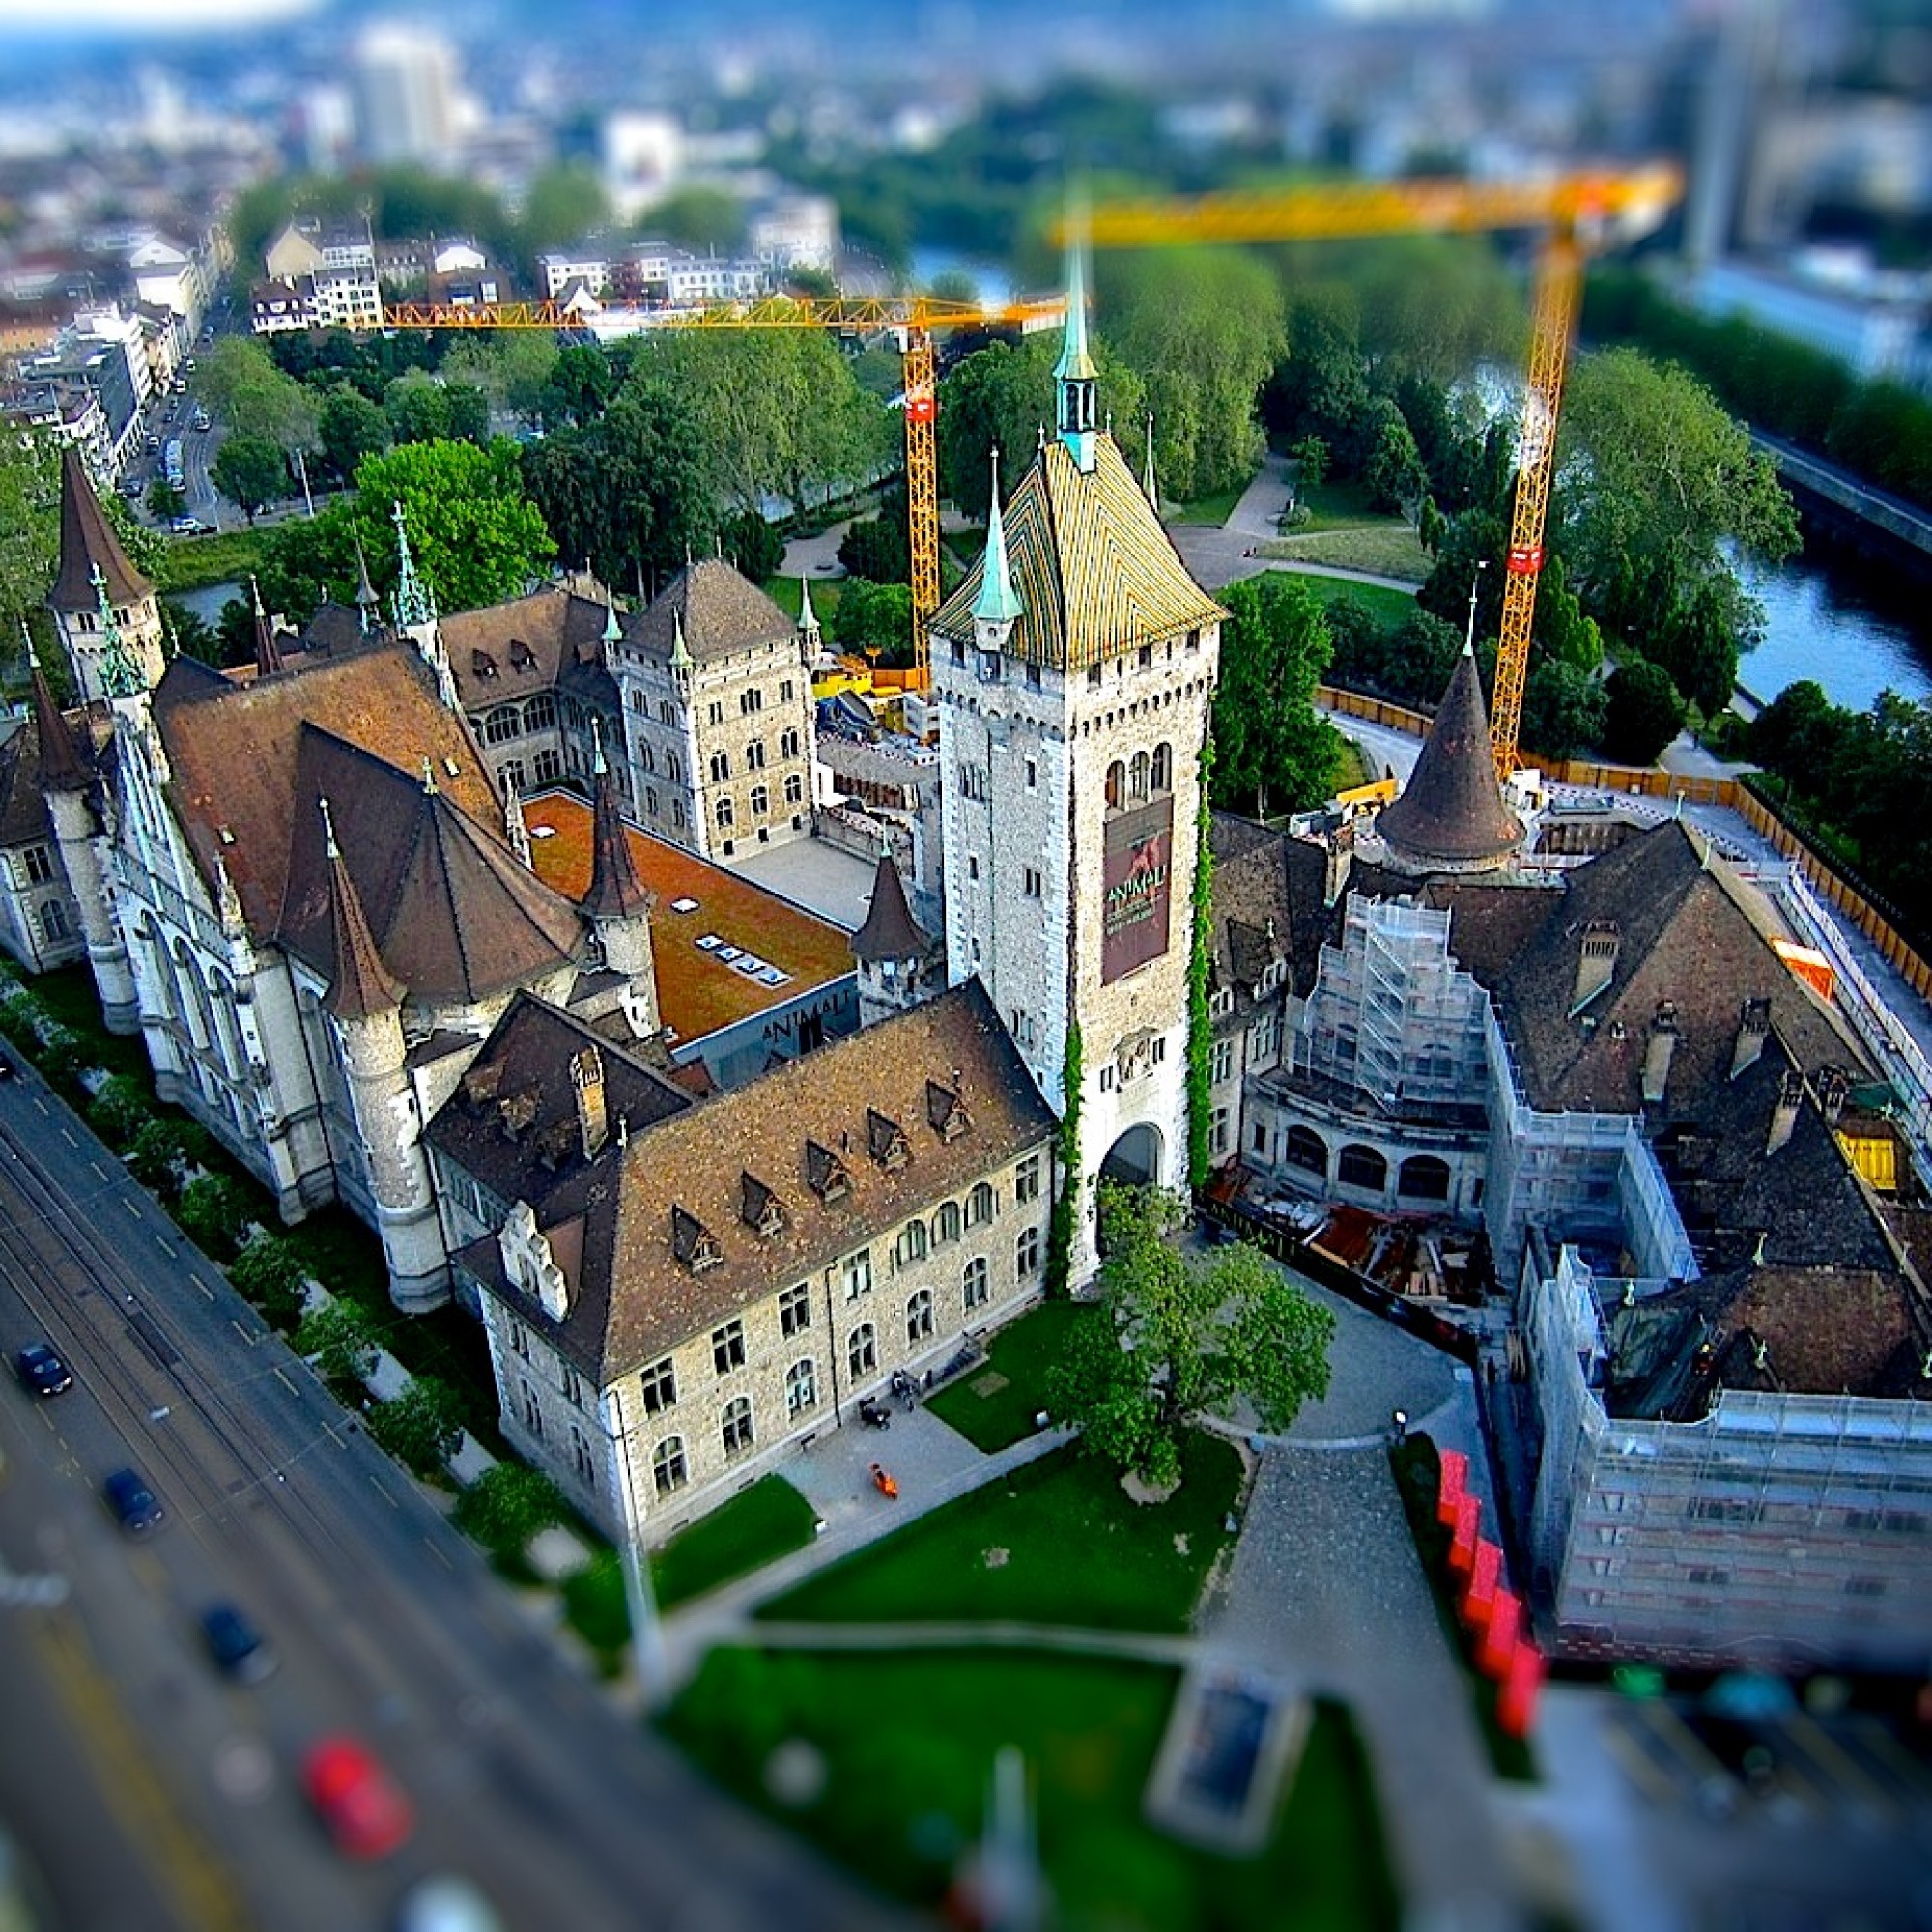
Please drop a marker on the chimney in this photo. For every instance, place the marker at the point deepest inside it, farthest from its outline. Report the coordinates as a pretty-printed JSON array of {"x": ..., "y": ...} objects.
[
  {"x": 1595, "y": 962},
  {"x": 1834, "y": 1086},
  {"x": 586, "y": 1075},
  {"x": 1785, "y": 1111},
  {"x": 1754, "y": 1029},
  {"x": 1656, "y": 1052}
]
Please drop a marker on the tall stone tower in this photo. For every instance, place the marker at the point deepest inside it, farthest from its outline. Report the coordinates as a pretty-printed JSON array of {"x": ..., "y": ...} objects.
[
  {"x": 1072, "y": 672},
  {"x": 107, "y": 612}
]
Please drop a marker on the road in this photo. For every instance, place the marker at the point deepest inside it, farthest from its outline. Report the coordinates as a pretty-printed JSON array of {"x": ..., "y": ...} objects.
[{"x": 153, "y": 1794}]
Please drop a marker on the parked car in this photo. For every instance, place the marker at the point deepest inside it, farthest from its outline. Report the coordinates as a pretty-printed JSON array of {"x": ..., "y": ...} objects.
[
  {"x": 42, "y": 1371},
  {"x": 236, "y": 1646},
  {"x": 189, "y": 526},
  {"x": 132, "y": 1502},
  {"x": 202, "y": 419},
  {"x": 355, "y": 1799}
]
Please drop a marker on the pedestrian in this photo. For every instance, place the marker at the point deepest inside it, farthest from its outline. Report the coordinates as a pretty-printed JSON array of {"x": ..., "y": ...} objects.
[{"x": 1401, "y": 1424}]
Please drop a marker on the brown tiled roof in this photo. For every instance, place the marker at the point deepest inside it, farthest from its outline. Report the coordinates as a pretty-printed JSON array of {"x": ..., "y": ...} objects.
[
  {"x": 616, "y": 892},
  {"x": 23, "y": 809},
  {"x": 1489, "y": 924},
  {"x": 1451, "y": 811},
  {"x": 722, "y": 612},
  {"x": 517, "y": 1092},
  {"x": 362, "y": 984},
  {"x": 87, "y": 538},
  {"x": 517, "y": 649},
  {"x": 334, "y": 627},
  {"x": 60, "y": 764},
  {"x": 633, "y": 1298},
  {"x": 454, "y": 914},
  {"x": 1096, "y": 571},
  {"x": 890, "y": 931},
  {"x": 234, "y": 750},
  {"x": 697, "y": 991}
]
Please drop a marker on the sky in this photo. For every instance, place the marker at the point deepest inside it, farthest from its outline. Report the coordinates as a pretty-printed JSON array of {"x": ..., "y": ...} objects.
[{"x": 115, "y": 16}]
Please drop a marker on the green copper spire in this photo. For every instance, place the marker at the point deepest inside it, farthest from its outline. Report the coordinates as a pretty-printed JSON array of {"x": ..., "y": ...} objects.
[
  {"x": 997, "y": 608},
  {"x": 119, "y": 676},
  {"x": 413, "y": 600},
  {"x": 1075, "y": 379},
  {"x": 612, "y": 632}
]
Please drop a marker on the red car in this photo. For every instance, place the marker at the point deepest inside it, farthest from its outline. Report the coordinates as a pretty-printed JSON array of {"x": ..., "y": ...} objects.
[{"x": 366, "y": 1815}]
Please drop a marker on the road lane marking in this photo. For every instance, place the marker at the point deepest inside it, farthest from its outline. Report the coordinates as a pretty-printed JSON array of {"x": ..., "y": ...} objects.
[
  {"x": 69, "y": 1138},
  {"x": 241, "y": 1331},
  {"x": 375, "y": 1483},
  {"x": 131, "y": 1207},
  {"x": 206, "y": 1293},
  {"x": 281, "y": 1374},
  {"x": 161, "y": 1242},
  {"x": 40, "y": 1103},
  {"x": 437, "y": 1554},
  {"x": 100, "y": 1172}
]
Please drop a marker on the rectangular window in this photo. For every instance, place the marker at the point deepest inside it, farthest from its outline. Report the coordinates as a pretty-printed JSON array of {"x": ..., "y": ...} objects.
[
  {"x": 40, "y": 866},
  {"x": 972, "y": 865},
  {"x": 795, "y": 1309},
  {"x": 1026, "y": 1178},
  {"x": 520, "y": 1341},
  {"x": 1030, "y": 882},
  {"x": 580, "y": 1455},
  {"x": 572, "y": 1388},
  {"x": 660, "y": 1384},
  {"x": 1031, "y": 775},
  {"x": 1221, "y": 1061},
  {"x": 717, "y": 713},
  {"x": 858, "y": 1274},
  {"x": 532, "y": 1414},
  {"x": 727, "y": 1348},
  {"x": 786, "y": 691},
  {"x": 1261, "y": 1138}
]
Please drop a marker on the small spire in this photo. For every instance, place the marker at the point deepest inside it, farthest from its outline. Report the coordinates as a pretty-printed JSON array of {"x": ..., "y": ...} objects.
[
  {"x": 412, "y": 602},
  {"x": 1147, "y": 477},
  {"x": 597, "y": 765},
  {"x": 515, "y": 829},
  {"x": 227, "y": 901},
  {"x": 366, "y": 600},
  {"x": 119, "y": 677},
  {"x": 428, "y": 779},
  {"x": 717, "y": 544},
  {"x": 1074, "y": 376},
  {"x": 615, "y": 890},
  {"x": 27, "y": 639},
  {"x": 360, "y": 985},
  {"x": 680, "y": 651},
  {"x": 613, "y": 631},
  {"x": 329, "y": 845},
  {"x": 808, "y": 618},
  {"x": 998, "y": 605},
  {"x": 267, "y": 653}
]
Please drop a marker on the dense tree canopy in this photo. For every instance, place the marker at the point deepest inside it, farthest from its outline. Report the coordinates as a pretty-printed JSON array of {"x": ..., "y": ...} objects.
[
  {"x": 1274, "y": 749},
  {"x": 1177, "y": 1341},
  {"x": 242, "y": 386},
  {"x": 1644, "y": 713},
  {"x": 250, "y": 471}
]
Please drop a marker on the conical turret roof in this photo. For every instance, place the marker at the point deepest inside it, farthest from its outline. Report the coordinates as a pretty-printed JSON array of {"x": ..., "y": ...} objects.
[
  {"x": 1451, "y": 815},
  {"x": 86, "y": 539},
  {"x": 61, "y": 767},
  {"x": 362, "y": 984},
  {"x": 890, "y": 931},
  {"x": 616, "y": 892}
]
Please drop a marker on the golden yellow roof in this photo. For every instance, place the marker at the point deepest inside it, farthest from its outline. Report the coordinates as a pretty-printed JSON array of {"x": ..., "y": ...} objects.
[{"x": 1091, "y": 562}]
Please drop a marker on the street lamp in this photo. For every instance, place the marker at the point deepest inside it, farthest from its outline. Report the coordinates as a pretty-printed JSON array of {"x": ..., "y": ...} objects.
[{"x": 647, "y": 1645}]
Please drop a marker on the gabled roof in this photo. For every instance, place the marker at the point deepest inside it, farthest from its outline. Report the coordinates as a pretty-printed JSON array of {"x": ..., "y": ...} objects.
[
  {"x": 1451, "y": 812},
  {"x": 457, "y": 919},
  {"x": 1095, "y": 571},
  {"x": 631, "y": 1297},
  {"x": 890, "y": 931},
  {"x": 720, "y": 611},
  {"x": 86, "y": 539},
  {"x": 510, "y": 651}
]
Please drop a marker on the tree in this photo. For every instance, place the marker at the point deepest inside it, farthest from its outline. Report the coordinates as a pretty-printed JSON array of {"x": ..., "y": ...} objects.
[
  {"x": 752, "y": 545},
  {"x": 416, "y": 408},
  {"x": 507, "y": 1505},
  {"x": 120, "y": 1108},
  {"x": 273, "y": 1274},
  {"x": 339, "y": 1338},
  {"x": 252, "y": 471},
  {"x": 29, "y": 525},
  {"x": 477, "y": 538},
  {"x": 1271, "y": 744},
  {"x": 565, "y": 200},
  {"x": 1176, "y": 1342},
  {"x": 1796, "y": 734},
  {"x": 243, "y": 388},
  {"x": 577, "y": 387},
  {"x": 1392, "y": 468},
  {"x": 422, "y": 1428},
  {"x": 875, "y": 620},
  {"x": 1564, "y": 709},
  {"x": 878, "y": 547},
  {"x": 308, "y": 558},
  {"x": 1642, "y": 715},
  {"x": 215, "y": 1208},
  {"x": 1310, "y": 456},
  {"x": 165, "y": 499},
  {"x": 349, "y": 427},
  {"x": 469, "y": 412},
  {"x": 697, "y": 218},
  {"x": 511, "y": 367},
  {"x": 1318, "y": 387},
  {"x": 1202, "y": 328}
]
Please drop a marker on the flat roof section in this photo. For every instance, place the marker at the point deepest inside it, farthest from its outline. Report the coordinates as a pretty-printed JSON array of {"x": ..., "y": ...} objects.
[{"x": 726, "y": 950}]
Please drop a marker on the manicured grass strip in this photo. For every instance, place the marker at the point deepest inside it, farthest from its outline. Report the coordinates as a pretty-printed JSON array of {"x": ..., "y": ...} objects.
[
  {"x": 907, "y": 1743},
  {"x": 1418, "y": 1473},
  {"x": 192, "y": 563},
  {"x": 784, "y": 592},
  {"x": 994, "y": 1404},
  {"x": 1390, "y": 549},
  {"x": 1057, "y": 1542},
  {"x": 757, "y": 1526},
  {"x": 1215, "y": 509},
  {"x": 1388, "y": 608}
]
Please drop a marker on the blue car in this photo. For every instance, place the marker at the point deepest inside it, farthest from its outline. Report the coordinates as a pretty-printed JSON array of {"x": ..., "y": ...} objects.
[
  {"x": 132, "y": 1502},
  {"x": 235, "y": 1644}
]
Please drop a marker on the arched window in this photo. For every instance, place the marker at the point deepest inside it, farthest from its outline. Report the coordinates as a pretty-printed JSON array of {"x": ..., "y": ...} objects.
[
  {"x": 918, "y": 1317},
  {"x": 673, "y": 768},
  {"x": 1423, "y": 1177},
  {"x": 1306, "y": 1149},
  {"x": 1025, "y": 1252},
  {"x": 980, "y": 1205},
  {"x": 911, "y": 1244},
  {"x": 666, "y": 712},
  {"x": 789, "y": 745},
  {"x": 1163, "y": 768},
  {"x": 801, "y": 1388},
  {"x": 794, "y": 789},
  {"x": 635, "y": 700},
  {"x": 1137, "y": 776},
  {"x": 761, "y": 801},
  {"x": 945, "y": 1223},
  {"x": 647, "y": 758},
  {"x": 972, "y": 1284},
  {"x": 721, "y": 766},
  {"x": 736, "y": 1425},
  {"x": 755, "y": 755},
  {"x": 668, "y": 1471},
  {"x": 862, "y": 1350},
  {"x": 540, "y": 713},
  {"x": 1117, "y": 785},
  {"x": 502, "y": 725},
  {"x": 1362, "y": 1167},
  {"x": 725, "y": 814}
]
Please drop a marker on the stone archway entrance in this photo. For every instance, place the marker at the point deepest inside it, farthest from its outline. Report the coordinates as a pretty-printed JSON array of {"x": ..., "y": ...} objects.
[{"x": 1134, "y": 1160}]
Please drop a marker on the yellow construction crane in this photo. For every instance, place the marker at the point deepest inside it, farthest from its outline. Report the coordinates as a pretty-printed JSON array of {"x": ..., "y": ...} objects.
[
  {"x": 1576, "y": 214},
  {"x": 914, "y": 318}
]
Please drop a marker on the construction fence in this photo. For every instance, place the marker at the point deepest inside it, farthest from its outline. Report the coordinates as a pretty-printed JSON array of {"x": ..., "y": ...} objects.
[{"x": 1632, "y": 781}]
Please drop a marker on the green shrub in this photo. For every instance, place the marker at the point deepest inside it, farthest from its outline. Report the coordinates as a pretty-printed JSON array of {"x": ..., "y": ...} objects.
[
  {"x": 215, "y": 1208},
  {"x": 154, "y": 1156},
  {"x": 63, "y": 1055},
  {"x": 120, "y": 1108},
  {"x": 340, "y": 1339},
  {"x": 593, "y": 1601},
  {"x": 421, "y": 1428},
  {"x": 17, "y": 1013},
  {"x": 506, "y": 1506},
  {"x": 271, "y": 1273}
]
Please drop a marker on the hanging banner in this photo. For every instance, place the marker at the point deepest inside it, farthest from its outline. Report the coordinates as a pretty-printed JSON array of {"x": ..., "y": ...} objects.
[{"x": 1137, "y": 879}]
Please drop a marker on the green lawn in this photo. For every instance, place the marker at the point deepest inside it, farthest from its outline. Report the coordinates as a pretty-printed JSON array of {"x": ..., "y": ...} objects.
[
  {"x": 757, "y": 1526},
  {"x": 784, "y": 592},
  {"x": 1339, "y": 506},
  {"x": 908, "y": 1742},
  {"x": 1389, "y": 549},
  {"x": 192, "y": 563},
  {"x": 68, "y": 994},
  {"x": 1418, "y": 1476},
  {"x": 995, "y": 1404},
  {"x": 1215, "y": 509},
  {"x": 1388, "y": 608},
  {"x": 1057, "y": 1542}
]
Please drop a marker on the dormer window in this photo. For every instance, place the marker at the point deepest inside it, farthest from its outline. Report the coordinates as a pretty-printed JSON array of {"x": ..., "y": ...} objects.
[
  {"x": 482, "y": 665},
  {"x": 692, "y": 1242},
  {"x": 945, "y": 1111},
  {"x": 759, "y": 1208},
  {"x": 886, "y": 1139},
  {"x": 825, "y": 1174},
  {"x": 522, "y": 657}
]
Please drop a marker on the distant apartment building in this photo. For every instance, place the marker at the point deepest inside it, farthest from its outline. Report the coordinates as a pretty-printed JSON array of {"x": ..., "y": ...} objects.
[
  {"x": 340, "y": 266},
  {"x": 1876, "y": 328},
  {"x": 406, "y": 93},
  {"x": 168, "y": 276},
  {"x": 796, "y": 231},
  {"x": 276, "y": 307},
  {"x": 105, "y": 354},
  {"x": 584, "y": 266}
]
